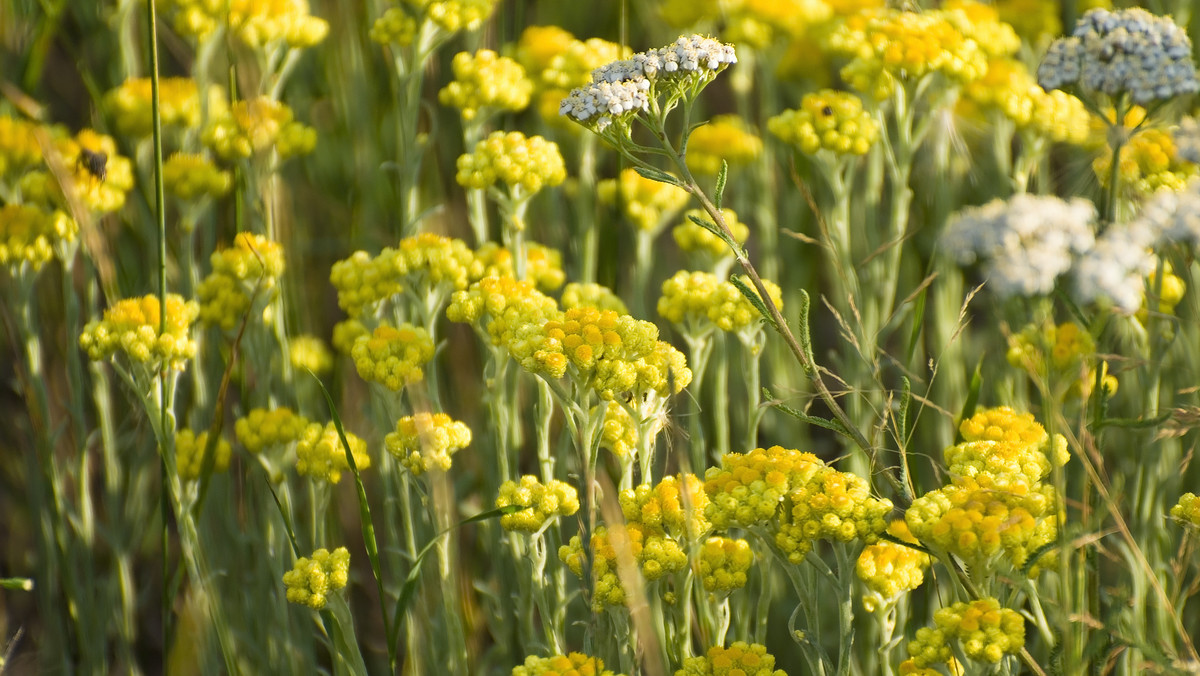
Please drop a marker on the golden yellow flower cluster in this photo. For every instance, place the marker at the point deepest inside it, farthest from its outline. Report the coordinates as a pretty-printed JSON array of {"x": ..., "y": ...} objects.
[
  {"x": 574, "y": 664},
  {"x": 655, "y": 553},
  {"x": 699, "y": 240},
  {"x": 255, "y": 126},
  {"x": 309, "y": 353},
  {"x": 1170, "y": 292},
  {"x": 485, "y": 80},
  {"x": 649, "y": 205},
  {"x": 424, "y": 263},
  {"x": 243, "y": 275},
  {"x": 827, "y": 120},
  {"x": 190, "y": 456},
  {"x": 424, "y": 442},
  {"x": 393, "y": 356},
  {"x": 674, "y": 505},
  {"x": 591, "y": 294},
  {"x": 395, "y": 26},
  {"x": 130, "y": 105},
  {"x": 97, "y": 175},
  {"x": 748, "y": 488},
  {"x": 543, "y": 265},
  {"x": 191, "y": 177},
  {"x": 1187, "y": 510},
  {"x": 1012, "y": 91},
  {"x": 19, "y": 149},
  {"x": 726, "y": 138},
  {"x": 524, "y": 164},
  {"x": 691, "y": 298},
  {"x": 131, "y": 326},
  {"x": 30, "y": 235},
  {"x": 620, "y": 432},
  {"x": 539, "y": 502},
  {"x": 1007, "y": 446},
  {"x": 312, "y": 580},
  {"x": 1149, "y": 162},
  {"x": 889, "y": 569},
  {"x": 1062, "y": 353},
  {"x": 830, "y": 505},
  {"x": 320, "y": 454},
  {"x": 254, "y": 23},
  {"x": 724, "y": 563},
  {"x": 455, "y": 15},
  {"x": 262, "y": 428},
  {"x": 986, "y": 631},
  {"x": 744, "y": 659}
]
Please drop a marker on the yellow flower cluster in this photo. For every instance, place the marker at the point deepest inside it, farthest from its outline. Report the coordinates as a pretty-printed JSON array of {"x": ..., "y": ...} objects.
[
  {"x": 981, "y": 22},
  {"x": 1007, "y": 446},
  {"x": 99, "y": 176},
  {"x": 396, "y": 26},
  {"x": 1062, "y": 353},
  {"x": 424, "y": 442},
  {"x": 189, "y": 454},
  {"x": 1035, "y": 21},
  {"x": 620, "y": 432},
  {"x": 830, "y": 505},
  {"x": 748, "y": 488},
  {"x": 726, "y": 138},
  {"x": 981, "y": 521},
  {"x": 558, "y": 63},
  {"x": 132, "y": 327},
  {"x": 262, "y": 428},
  {"x": 424, "y": 263},
  {"x": 1149, "y": 162},
  {"x": 927, "y": 649},
  {"x": 827, "y": 120},
  {"x": 740, "y": 659},
  {"x": 695, "y": 239},
  {"x": 255, "y": 126},
  {"x": 889, "y": 569},
  {"x": 574, "y": 664},
  {"x": 1011, "y": 90},
  {"x": 309, "y": 353},
  {"x": 691, "y": 297},
  {"x": 19, "y": 149},
  {"x": 898, "y": 46},
  {"x": 655, "y": 553},
  {"x": 130, "y": 105},
  {"x": 543, "y": 265},
  {"x": 1187, "y": 510},
  {"x": 525, "y": 165},
  {"x": 29, "y": 235},
  {"x": 320, "y": 455},
  {"x": 724, "y": 563},
  {"x": 649, "y": 205},
  {"x": 242, "y": 274},
  {"x": 757, "y": 23},
  {"x": 674, "y": 505},
  {"x": 345, "y": 333},
  {"x": 190, "y": 177},
  {"x": 985, "y": 630},
  {"x": 511, "y": 314},
  {"x": 540, "y": 503},
  {"x": 1170, "y": 292},
  {"x": 455, "y": 15},
  {"x": 486, "y": 80},
  {"x": 312, "y": 580},
  {"x": 594, "y": 295},
  {"x": 255, "y": 23},
  {"x": 392, "y": 356}
]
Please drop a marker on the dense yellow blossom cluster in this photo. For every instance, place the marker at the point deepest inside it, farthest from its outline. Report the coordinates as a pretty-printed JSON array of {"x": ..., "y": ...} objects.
[
  {"x": 1007, "y": 446},
  {"x": 726, "y": 138},
  {"x": 454, "y": 15},
  {"x": 425, "y": 441},
  {"x": 696, "y": 239},
  {"x": 485, "y": 80},
  {"x": 393, "y": 355},
  {"x": 1187, "y": 510},
  {"x": 190, "y": 177},
  {"x": 524, "y": 164},
  {"x": 827, "y": 120},
  {"x": 97, "y": 175},
  {"x": 242, "y": 274},
  {"x": 655, "y": 553},
  {"x": 130, "y": 105},
  {"x": 262, "y": 428},
  {"x": 649, "y": 205},
  {"x": 693, "y": 298},
  {"x": 620, "y": 431},
  {"x": 254, "y": 23},
  {"x": 131, "y": 326},
  {"x": 19, "y": 149},
  {"x": 744, "y": 659},
  {"x": 830, "y": 505},
  {"x": 29, "y": 234},
  {"x": 1149, "y": 162},
  {"x": 425, "y": 263},
  {"x": 539, "y": 503},
  {"x": 312, "y": 580},
  {"x": 320, "y": 454},
  {"x": 723, "y": 564},
  {"x": 986, "y": 631},
  {"x": 190, "y": 456},
  {"x": 675, "y": 505},
  {"x": 1061, "y": 353},
  {"x": 890, "y": 569},
  {"x": 1009, "y": 89},
  {"x": 309, "y": 353},
  {"x": 748, "y": 488},
  {"x": 543, "y": 265},
  {"x": 255, "y": 126},
  {"x": 574, "y": 664},
  {"x": 591, "y": 294}
]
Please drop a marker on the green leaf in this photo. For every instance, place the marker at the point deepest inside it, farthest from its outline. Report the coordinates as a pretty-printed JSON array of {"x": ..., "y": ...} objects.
[
  {"x": 287, "y": 521},
  {"x": 832, "y": 425},
  {"x": 902, "y": 414},
  {"x": 805, "y": 336},
  {"x": 972, "y": 400},
  {"x": 751, "y": 296},
  {"x": 658, "y": 175},
  {"x": 722, "y": 176}
]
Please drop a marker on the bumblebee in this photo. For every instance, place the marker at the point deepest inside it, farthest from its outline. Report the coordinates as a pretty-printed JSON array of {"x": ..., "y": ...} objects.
[{"x": 95, "y": 162}]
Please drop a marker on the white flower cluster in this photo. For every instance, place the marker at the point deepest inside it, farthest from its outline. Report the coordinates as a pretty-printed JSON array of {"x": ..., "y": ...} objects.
[
  {"x": 1115, "y": 269},
  {"x": 1174, "y": 217},
  {"x": 1025, "y": 243},
  {"x": 1130, "y": 50},
  {"x": 623, "y": 87}
]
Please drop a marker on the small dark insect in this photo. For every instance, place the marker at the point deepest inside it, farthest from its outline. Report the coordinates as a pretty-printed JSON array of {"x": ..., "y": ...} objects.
[
  {"x": 827, "y": 111},
  {"x": 96, "y": 162}
]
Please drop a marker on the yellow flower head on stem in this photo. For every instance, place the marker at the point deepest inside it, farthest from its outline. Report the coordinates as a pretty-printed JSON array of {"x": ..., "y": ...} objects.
[
  {"x": 393, "y": 356},
  {"x": 189, "y": 454},
  {"x": 321, "y": 456},
  {"x": 539, "y": 502},
  {"x": 485, "y": 80},
  {"x": 425, "y": 442},
  {"x": 131, "y": 327},
  {"x": 311, "y": 580}
]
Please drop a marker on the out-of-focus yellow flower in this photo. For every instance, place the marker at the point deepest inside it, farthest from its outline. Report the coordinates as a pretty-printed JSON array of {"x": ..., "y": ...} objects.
[
  {"x": 1063, "y": 352},
  {"x": 1187, "y": 510},
  {"x": 649, "y": 205},
  {"x": 312, "y": 580},
  {"x": 1148, "y": 163},
  {"x": 455, "y": 15},
  {"x": 97, "y": 175},
  {"x": 19, "y": 150},
  {"x": 262, "y": 428},
  {"x": 243, "y": 275},
  {"x": 320, "y": 454},
  {"x": 725, "y": 138},
  {"x": 255, "y": 126},
  {"x": 986, "y": 631},
  {"x": 827, "y": 120},
  {"x": 424, "y": 442},
  {"x": 485, "y": 80},
  {"x": 594, "y": 295},
  {"x": 309, "y": 352},
  {"x": 1170, "y": 292},
  {"x": 191, "y": 177},
  {"x": 396, "y": 26},
  {"x": 543, "y": 265},
  {"x": 130, "y": 105},
  {"x": 255, "y": 23},
  {"x": 425, "y": 264},
  {"x": 696, "y": 239},
  {"x": 1035, "y": 21},
  {"x": 30, "y": 235},
  {"x": 189, "y": 454}
]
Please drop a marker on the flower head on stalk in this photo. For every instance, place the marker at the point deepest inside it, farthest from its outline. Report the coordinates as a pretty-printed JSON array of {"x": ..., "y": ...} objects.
[
  {"x": 486, "y": 82},
  {"x": 425, "y": 442},
  {"x": 648, "y": 204},
  {"x": 131, "y": 327},
  {"x": 311, "y": 580},
  {"x": 1148, "y": 162},
  {"x": 130, "y": 105},
  {"x": 751, "y": 659},
  {"x": 539, "y": 503},
  {"x": 255, "y": 126},
  {"x": 654, "y": 81},
  {"x": 94, "y": 173},
  {"x": 594, "y": 295},
  {"x": 726, "y": 138},
  {"x": 556, "y": 665},
  {"x": 393, "y": 355},
  {"x": 523, "y": 164},
  {"x": 243, "y": 275},
  {"x": 320, "y": 454},
  {"x": 193, "y": 178},
  {"x": 1128, "y": 52},
  {"x": 1009, "y": 89},
  {"x": 1187, "y": 510},
  {"x": 543, "y": 265},
  {"x": 889, "y": 569},
  {"x": 19, "y": 149},
  {"x": 255, "y": 23},
  {"x": 1064, "y": 354},
  {"x": 29, "y": 235},
  {"x": 704, "y": 244},
  {"x": 827, "y": 120},
  {"x": 190, "y": 454}
]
